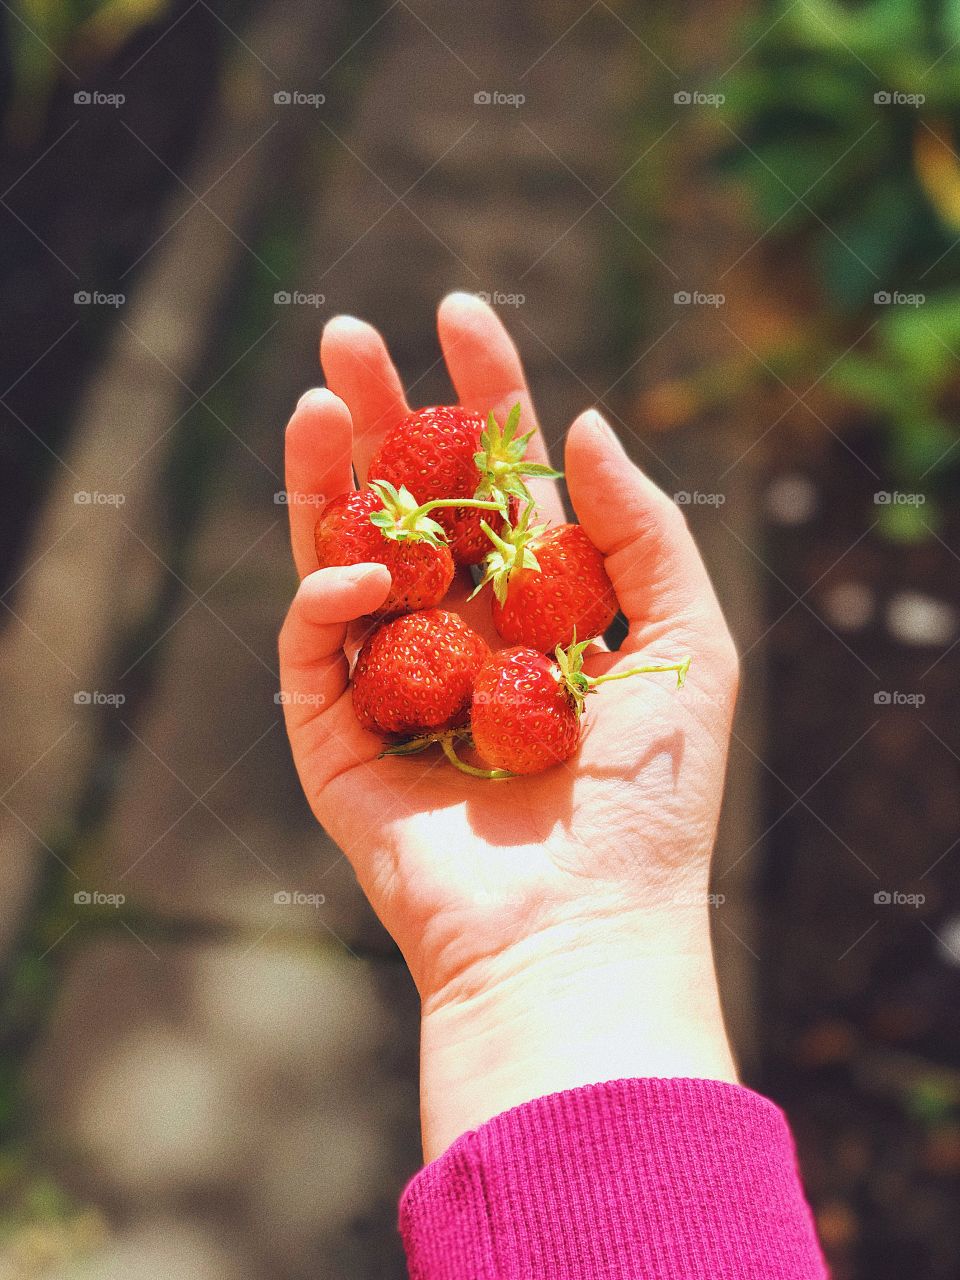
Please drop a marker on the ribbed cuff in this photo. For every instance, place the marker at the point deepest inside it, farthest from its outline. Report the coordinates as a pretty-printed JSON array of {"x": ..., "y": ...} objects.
[{"x": 659, "y": 1179}]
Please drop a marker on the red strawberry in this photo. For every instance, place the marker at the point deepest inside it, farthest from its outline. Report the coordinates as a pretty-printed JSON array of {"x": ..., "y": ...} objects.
[
  {"x": 527, "y": 708},
  {"x": 523, "y": 717},
  {"x": 445, "y": 451},
  {"x": 383, "y": 525},
  {"x": 549, "y": 585},
  {"x": 415, "y": 674}
]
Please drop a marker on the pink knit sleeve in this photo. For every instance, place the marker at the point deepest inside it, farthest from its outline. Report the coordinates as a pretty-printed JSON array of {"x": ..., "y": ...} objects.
[{"x": 659, "y": 1179}]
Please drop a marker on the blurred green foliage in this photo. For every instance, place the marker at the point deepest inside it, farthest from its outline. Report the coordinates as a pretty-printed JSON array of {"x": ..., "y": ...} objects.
[
  {"x": 843, "y": 120},
  {"x": 48, "y": 36}
]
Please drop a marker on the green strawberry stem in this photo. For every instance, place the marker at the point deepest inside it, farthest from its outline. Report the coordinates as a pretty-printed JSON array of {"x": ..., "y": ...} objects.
[
  {"x": 681, "y": 668},
  {"x": 452, "y": 502},
  {"x": 579, "y": 684},
  {"x": 495, "y": 775},
  {"x": 409, "y": 748},
  {"x": 445, "y": 741}
]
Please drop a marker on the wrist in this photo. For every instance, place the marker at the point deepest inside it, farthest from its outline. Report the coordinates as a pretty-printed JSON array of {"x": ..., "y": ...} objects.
[{"x": 575, "y": 1004}]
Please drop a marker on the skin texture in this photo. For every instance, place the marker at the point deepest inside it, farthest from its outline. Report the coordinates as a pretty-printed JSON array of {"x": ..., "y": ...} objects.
[
  {"x": 523, "y": 718},
  {"x": 416, "y": 674},
  {"x": 420, "y": 573},
  {"x": 556, "y": 926},
  {"x": 572, "y": 595}
]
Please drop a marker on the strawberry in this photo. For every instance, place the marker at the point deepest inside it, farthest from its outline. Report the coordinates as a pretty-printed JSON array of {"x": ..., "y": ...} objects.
[
  {"x": 527, "y": 708},
  {"x": 445, "y": 451},
  {"x": 415, "y": 674},
  {"x": 385, "y": 525},
  {"x": 549, "y": 585}
]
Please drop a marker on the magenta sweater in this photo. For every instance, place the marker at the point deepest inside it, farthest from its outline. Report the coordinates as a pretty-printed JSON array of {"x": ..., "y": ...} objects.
[{"x": 633, "y": 1179}]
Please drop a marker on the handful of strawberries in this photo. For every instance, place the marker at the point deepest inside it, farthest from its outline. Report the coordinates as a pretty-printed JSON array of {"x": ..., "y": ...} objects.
[{"x": 448, "y": 490}]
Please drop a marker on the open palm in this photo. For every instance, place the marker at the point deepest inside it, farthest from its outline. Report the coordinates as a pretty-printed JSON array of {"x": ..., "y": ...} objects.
[{"x": 466, "y": 873}]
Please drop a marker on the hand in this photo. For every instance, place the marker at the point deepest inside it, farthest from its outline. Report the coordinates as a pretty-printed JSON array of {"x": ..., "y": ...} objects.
[{"x": 556, "y": 925}]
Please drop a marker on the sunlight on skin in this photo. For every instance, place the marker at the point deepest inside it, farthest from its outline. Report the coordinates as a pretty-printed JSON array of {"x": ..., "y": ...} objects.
[{"x": 574, "y": 898}]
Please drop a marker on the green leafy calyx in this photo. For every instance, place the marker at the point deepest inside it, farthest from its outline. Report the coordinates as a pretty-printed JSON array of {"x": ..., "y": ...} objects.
[
  {"x": 501, "y": 462},
  {"x": 513, "y": 550},
  {"x": 403, "y": 520}
]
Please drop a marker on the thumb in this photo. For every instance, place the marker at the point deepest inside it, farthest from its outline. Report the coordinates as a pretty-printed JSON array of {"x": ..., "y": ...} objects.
[
  {"x": 651, "y": 557},
  {"x": 324, "y": 734}
]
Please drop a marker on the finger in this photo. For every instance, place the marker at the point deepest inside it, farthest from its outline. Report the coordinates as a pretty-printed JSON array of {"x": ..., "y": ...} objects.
[
  {"x": 486, "y": 370},
  {"x": 653, "y": 561},
  {"x": 324, "y": 733},
  {"x": 317, "y": 463},
  {"x": 358, "y": 368}
]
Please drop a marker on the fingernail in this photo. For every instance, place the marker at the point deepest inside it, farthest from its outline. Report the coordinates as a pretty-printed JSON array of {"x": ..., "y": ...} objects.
[
  {"x": 598, "y": 422},
  {"x": 354, "y": 573},
  {"x": 345, "y": 322},
  {"x": 306, "y": 397}
]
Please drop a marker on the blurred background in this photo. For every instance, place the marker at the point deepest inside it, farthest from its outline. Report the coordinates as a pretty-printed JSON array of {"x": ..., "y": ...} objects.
[{"x": 736, "y": 227}]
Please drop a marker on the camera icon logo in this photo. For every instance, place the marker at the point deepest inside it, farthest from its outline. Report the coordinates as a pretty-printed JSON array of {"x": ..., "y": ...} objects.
[
  {"x": 82, "y": 898},
  {"x": 82, "y": 97},
  {"x": 682, "y": 298},
  {"x": 882, "y": 97},
  {"x": 82, "y": 298},
  {"x": 683, "y": 97},
  {"x": 882, "y": 898},
  {"x": 282, "y": 898},
  {"x": 682, "y": 499},
  {"x": 282, "y": 298},
  {"x": 482, "y": 98},
  {"x": 882, "y": 498},
  {"x": 83, "y": 697},
  {"x": 882, "y": 698},
  {"x": 283, "y": 97},
  {"x": 882, "y": 299}
]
